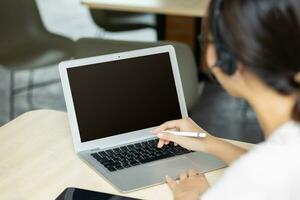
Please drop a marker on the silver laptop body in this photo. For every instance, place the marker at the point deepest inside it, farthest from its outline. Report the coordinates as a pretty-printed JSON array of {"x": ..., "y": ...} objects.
[{"x": 115, "y": 101}]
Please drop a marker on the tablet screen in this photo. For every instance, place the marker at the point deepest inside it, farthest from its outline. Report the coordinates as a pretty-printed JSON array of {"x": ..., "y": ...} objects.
[{"x": 80, "y": 194}]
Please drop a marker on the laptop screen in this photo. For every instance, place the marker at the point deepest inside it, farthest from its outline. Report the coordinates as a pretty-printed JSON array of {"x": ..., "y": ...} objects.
[{"x": 123, "y": 96}]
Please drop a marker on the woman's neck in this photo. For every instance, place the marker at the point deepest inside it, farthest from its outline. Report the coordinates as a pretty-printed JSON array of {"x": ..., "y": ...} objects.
[{"x": 272, "y": 109}]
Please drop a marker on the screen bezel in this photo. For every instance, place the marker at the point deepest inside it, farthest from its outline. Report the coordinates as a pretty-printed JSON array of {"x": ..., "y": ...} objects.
[{"x": 125, "y": 137}]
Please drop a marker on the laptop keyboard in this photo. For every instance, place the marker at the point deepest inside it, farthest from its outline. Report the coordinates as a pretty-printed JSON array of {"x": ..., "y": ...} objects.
[{"x": 136, "y": 154}]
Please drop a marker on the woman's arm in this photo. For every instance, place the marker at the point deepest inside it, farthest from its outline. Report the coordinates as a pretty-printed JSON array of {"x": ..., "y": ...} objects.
[
  {"x": 212, "y": 145},
  {"x": 224, "y": 150}
]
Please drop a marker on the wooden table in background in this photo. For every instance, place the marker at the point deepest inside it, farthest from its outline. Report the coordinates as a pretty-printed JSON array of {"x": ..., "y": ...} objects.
[
  {"x": 192, "y": 8},
  {"x": 178, "y": 20},
  {"x": 37, "y": 161}
]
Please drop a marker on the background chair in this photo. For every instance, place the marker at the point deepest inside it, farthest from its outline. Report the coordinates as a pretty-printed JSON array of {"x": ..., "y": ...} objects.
[
  {"x": 115, "y": 21},
  {"x": 27, "y": 45},
  {"x": 192, "y": 89}
]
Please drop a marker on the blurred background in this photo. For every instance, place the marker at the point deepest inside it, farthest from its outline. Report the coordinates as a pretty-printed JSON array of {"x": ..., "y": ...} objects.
[{"x": 36, "y": 35}]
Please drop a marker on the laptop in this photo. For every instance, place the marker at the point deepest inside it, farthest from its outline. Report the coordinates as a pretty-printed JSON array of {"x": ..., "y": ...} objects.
[{"x": 113, "y": 103}]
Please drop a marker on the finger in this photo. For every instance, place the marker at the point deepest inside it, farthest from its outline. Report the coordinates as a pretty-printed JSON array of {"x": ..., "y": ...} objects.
[
  {"x": 171, "y": 183},
  {"x": 166, "y": 142},
  {"x": 192, "y": 173},
  {"x": 201, "y": 175},
  {"x": 170, "y": 137},
  {"x": 160, "y": 143},
  {"x": 183, "y": 176},
  {"x": 166, "y": 125}
]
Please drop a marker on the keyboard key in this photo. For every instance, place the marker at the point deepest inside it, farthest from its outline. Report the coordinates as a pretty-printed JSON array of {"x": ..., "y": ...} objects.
[
  {"x": 119, "y": 167},
  {"x": 111, "y": 169},
  {"x": 147, "y": 159},
  {"x": 126, "y": 165},
  {"x": 109, "y": 152},
  {"x": 96, "y": 156},
  {"x": 117, "y": 150},
  {"x": 103, "y": 160},
  {"x": 109, "y": 163},
  {"x": 102, "y": 154},
  {"x": 134, "y": 163},
  {"x": 138, "y": 145},
  {"x": 144, "y": 144},
  {"x": 124, "y": 149}
]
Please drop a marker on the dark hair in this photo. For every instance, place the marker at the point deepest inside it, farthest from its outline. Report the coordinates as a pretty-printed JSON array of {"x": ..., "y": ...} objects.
[{"x": 264, "y": 35}]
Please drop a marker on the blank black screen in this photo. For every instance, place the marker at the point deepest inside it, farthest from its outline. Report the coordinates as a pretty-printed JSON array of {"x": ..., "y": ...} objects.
[
  {"x": 80, "y": 194},
  {"x": 122, "y": 96}
]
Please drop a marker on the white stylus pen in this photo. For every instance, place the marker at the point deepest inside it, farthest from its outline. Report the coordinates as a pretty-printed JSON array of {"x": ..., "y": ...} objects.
[{"x": 187, "y": 134}]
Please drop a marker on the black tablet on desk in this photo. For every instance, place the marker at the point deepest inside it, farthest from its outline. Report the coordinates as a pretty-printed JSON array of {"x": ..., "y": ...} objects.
[{"x": 81, "y": 194}]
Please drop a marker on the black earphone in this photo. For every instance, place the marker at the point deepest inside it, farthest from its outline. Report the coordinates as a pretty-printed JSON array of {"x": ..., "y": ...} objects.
[{"x": 225, "y": 59}]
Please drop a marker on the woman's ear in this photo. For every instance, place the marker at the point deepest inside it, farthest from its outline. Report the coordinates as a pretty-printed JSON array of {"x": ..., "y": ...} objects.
[
  {"x": 297, "y": 77},
  {"x": 211, "y": 55}
]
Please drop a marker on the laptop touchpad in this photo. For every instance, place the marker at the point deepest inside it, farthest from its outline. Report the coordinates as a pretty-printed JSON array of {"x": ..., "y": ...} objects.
[
  {"x": 170, "y": 167},
  {"x": 152, "y": 173}
]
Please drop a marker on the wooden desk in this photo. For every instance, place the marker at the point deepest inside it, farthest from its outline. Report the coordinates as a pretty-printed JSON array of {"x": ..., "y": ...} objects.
[
  {"x": 191, "y": 8},
  {"x": 177, "y": 20},
  {"x": 37, "y": 161}
]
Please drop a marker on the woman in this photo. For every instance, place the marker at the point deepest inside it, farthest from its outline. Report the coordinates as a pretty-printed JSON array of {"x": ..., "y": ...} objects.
[{"x": 250, "y": 36}]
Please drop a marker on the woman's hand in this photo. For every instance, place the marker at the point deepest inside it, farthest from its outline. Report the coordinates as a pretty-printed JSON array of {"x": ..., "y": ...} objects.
[
  {"x": 210, "y": 144},
  {"x": 186, "y": 124},
  {"x": 190, "y": 186}
]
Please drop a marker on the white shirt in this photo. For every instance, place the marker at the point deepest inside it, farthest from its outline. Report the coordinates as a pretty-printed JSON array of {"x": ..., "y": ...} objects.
[{"x": 270, "y": 171}]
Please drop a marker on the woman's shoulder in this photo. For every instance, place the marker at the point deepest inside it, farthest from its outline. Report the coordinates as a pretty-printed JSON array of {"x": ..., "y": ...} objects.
[
  {"x": 286, "y": 135},
  {"x": 269, "y": 165},
  {"x": 274, "y": 161},
  {"x": 277, "y": 152}
]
